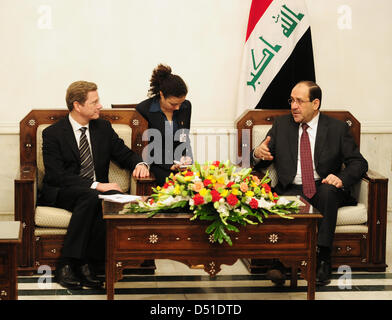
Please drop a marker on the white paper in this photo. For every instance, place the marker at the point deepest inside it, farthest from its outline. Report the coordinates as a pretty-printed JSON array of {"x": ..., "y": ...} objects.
[{"x": 120, "y": 198}]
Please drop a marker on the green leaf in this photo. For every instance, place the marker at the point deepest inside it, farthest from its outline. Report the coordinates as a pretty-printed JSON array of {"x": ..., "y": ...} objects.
[
  {"x": 212, "y": 226},
  {"x": 230, "y": 227}
]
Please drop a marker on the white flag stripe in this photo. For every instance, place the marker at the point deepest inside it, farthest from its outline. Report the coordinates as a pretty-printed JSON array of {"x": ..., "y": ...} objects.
[{"x": 268, "y": 48}]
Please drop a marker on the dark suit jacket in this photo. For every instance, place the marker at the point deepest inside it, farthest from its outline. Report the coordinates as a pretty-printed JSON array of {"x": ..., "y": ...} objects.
[
  {"x": 62, "y": 160},
  {"x": 156, "y": 120},
  {"x": 334, "y": 146}
]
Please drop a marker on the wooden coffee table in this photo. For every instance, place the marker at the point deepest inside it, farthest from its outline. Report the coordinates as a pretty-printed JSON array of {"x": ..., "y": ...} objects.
[
  {"x": 10, "y": 237},
  {"x": 131, "y": 239}
]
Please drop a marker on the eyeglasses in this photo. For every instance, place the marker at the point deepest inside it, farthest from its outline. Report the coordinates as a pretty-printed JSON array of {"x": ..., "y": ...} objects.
[{"x": 297, "y": 101}]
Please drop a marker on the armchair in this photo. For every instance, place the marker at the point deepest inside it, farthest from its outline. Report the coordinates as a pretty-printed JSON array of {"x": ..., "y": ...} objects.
[
  {"x": 44, "y": 228},
  {"x": 360, "y": 235}
]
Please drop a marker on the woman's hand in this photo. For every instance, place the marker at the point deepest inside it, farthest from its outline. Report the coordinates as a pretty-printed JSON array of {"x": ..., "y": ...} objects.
[{"x": 178, "y": 165}]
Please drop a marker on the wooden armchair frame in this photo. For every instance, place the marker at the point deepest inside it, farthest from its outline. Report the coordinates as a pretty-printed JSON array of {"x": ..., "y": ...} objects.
[{"x": 358, "y": 250}]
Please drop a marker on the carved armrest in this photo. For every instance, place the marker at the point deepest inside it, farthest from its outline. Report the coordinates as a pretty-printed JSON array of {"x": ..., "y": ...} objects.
[
  {"x": 377, "y": 194},
  {"x": 25, "y": 193},
  {"x": 25, "y": 196},
  {"x": 377, "y": 213},
  {"x": 376, "y": 176},
  {"x": 142, "y": 186},
  {"x": 26, "y": 174}
]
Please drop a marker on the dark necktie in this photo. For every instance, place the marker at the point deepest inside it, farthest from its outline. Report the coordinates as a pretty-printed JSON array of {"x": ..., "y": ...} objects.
[
  {"x": 308, "y": 184},
  {"x": 86, "y": 161}
]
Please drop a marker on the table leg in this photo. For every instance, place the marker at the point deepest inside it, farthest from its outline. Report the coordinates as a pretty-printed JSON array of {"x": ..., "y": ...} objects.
[
  {"x": 312, "y": 264},
  {"x": 109, "y": 280},
  {"x": 311, "y": 282},
  {"x": 294, "y": 276},
  {"x": 109, "y": 263}
]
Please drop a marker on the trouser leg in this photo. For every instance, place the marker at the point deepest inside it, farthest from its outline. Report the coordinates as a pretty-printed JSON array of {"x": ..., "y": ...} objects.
[
  {"x": 328, "y": 199},
  {"x": 86, "y": 227}
]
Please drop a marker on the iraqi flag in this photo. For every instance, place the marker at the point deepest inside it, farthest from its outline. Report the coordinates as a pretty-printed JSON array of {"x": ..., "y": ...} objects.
[{"x": 278, "y": 54}]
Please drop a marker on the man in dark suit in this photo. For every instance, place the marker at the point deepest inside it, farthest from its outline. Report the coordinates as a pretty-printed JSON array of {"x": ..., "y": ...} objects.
[
  {"x": 77, "y": 151},
  {"x": 309, "y": 150}
]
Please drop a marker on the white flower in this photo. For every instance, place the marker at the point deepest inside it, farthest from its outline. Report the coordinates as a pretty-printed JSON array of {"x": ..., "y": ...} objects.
[
  {"x": 223, "y": 210},
  {"x": 283, "y": 201},
  {"x": 265, "y": 204},
  {"x": 240, "y": 211},
  {"x": 169, "y": 201}
]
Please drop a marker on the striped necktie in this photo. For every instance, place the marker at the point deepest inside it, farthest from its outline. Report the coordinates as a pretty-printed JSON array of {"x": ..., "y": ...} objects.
[
  {"x": 86, "y": 161},
  {"x": 308, "y": 184}
]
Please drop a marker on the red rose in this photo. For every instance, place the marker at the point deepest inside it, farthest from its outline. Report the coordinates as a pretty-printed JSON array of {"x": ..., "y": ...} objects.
[
  {"x": 276, "y": 197},
  {"x": 188, "y": 173},
  {"x": 216, "y": 163},
  {"x": 232, "y": 199},
  {"x": 266, "y": 187},
  {"x": 166, "y": 185},
  {"x": 198, "y": 199},
  {"x": 207, "y": 182},
  {"x": 254, "y": 203},
  {"x": 230, "y": 184},
  {"x": 215, "y": 195}
]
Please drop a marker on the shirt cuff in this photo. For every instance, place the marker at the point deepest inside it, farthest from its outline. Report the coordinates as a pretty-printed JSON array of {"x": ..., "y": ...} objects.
[
  {"x": 145, "y": 163},
  {"x": 256, "y": 160},
  {"x": 94, "y": 185}
]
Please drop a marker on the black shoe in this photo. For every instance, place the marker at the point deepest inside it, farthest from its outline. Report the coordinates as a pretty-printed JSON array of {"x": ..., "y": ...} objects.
[
  {"x": 66, "y": 277},
  {"x": 323, "y": 275},
  {"x": 276, "y": 276},
  {"x": 88, "y": 277}
]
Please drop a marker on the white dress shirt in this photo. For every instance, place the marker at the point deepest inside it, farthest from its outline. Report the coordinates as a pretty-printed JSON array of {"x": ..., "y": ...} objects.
[{"x": 76, "y": 130}]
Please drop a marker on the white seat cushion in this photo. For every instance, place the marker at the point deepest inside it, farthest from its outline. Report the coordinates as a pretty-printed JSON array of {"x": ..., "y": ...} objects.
[
  {"x": 52, "y": 217},
  {"x": 352, "y": 215},
  {"x": 38, "y": 232},
  {"x": 359, "y": 228}
]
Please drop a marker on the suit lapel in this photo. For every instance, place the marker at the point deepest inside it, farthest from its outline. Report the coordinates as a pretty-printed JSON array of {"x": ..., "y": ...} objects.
[
  {"x": 70, "y": 138},
  {"x": 94, "y": 139},
  {"x": 293, "y": 140},
  {"x": 321, "y": 138}
]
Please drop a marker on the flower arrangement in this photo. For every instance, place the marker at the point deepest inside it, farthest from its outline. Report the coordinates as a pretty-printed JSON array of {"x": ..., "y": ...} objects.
[{"x": 218, "y": 192}]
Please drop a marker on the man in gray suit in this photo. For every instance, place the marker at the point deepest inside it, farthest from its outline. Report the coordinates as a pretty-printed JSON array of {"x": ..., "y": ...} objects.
[{"x": 314, "y": 156}]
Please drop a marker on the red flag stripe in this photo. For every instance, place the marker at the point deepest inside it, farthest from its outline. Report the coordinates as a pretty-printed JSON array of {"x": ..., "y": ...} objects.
[{"x": 257, "y": 9}]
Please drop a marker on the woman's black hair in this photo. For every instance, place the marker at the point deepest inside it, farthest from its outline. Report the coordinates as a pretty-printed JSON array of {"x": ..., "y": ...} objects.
[{"x": 170, "y": 84}]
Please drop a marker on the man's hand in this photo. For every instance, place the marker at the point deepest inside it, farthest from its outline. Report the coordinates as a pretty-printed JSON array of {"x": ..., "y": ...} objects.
[
  {"x": 141, "y": 171},
  {"x": 262, "y": 151},
  {"x": 334, "y": 180},
  {"x": 103, "y": 187}
]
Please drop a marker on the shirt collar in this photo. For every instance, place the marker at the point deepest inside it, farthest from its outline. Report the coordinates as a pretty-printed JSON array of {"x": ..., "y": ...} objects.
[
  {"x": 76, "y": 125},
  {"x": 313, "y": 123}
]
